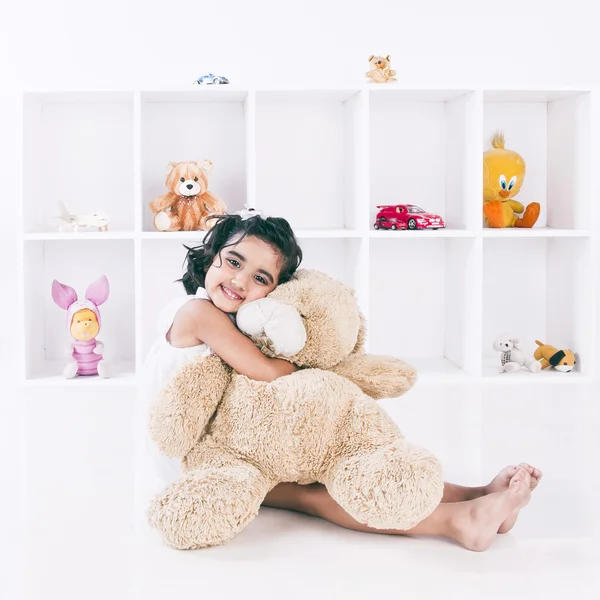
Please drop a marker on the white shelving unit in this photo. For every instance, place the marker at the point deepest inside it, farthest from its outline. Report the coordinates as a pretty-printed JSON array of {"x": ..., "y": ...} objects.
[{"x": 324, "y": 159}]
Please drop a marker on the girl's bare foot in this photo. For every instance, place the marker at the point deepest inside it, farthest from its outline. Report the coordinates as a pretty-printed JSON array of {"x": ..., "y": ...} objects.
[
  {"x": 502, "y": 481},
  {"x": 477, "y": 525}
]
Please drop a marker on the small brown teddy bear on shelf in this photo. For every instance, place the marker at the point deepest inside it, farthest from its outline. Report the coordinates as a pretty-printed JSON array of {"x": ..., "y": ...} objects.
[
  {"x": 380, "y": 70},
  {"x": 188, "y": 204}
]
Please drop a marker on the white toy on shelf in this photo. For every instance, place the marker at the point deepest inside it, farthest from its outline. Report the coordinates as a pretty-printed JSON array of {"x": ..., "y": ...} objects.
[
  {"x": 74, "y": 222},
  {"x": 513, "y": 357}
]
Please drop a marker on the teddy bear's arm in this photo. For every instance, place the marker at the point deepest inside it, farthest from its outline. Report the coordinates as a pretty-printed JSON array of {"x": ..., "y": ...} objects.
[
  {"x": 184, "y": 408},
  {"x": 211, "y": 205},
  {"x": 377, "y": 376},
  {"x": 162, "y": 202},
  {"x": 214, "y": 205}
]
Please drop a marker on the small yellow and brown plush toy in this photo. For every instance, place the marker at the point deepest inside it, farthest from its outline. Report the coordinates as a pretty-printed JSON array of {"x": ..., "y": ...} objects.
[
  {"x": 503, "y": 175},
  {"x": 188, "y": 204},
  {"x": 380, "y": 72},
  {"x": 239, "y": 438},
  {"x": 549, "y": 356}
]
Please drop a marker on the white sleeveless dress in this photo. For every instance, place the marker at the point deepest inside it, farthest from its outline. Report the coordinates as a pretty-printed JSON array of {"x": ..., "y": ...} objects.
[{"x": 154, "y": 470}]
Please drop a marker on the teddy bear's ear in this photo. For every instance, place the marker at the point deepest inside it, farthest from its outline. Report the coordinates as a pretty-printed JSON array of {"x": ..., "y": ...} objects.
[
  {"x": 517, "y": 343},
  {"x": 206, "y": 165},
  {"x": 387, "y": 58},
  {"x": 170, "y": 167},
  {"x": 371, "y": 57}
]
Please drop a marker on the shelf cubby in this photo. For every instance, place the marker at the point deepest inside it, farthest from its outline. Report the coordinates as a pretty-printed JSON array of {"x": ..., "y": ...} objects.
[
  {"x": 422, "y": 152},
  {"x": 538, "y": 289},
  {"x": 421, "y": 294},
  {"x": 309, "y": 147},
  {"x": 551, "y": 131},
  {"x": 190, "y": 126},
  {"x": 78, "y": 150},
  {"x": 77, "y": 264}
]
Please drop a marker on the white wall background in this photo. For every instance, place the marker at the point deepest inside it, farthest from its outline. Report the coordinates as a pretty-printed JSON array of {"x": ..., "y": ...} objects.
[{"x": 143, "y": 43}]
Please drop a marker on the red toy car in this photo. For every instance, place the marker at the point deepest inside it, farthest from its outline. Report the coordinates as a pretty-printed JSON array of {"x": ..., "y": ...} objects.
[{"x": 406, "y": 216}]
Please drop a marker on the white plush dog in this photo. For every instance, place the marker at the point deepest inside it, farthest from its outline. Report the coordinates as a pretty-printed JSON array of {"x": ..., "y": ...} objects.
[{"x": 513, "y": 358}]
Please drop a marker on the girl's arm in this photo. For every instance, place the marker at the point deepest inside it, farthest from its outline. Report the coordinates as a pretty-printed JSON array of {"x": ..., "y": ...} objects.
[{"x": 214, "y": 328}]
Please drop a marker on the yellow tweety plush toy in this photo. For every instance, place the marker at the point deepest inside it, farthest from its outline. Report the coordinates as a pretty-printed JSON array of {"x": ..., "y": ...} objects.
[{"x": 503, "y": 175}]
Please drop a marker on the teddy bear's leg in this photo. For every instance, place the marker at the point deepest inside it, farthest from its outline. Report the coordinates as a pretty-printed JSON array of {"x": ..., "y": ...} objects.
[
  {"x": 395, "y": 486},
  {"x": 175, "y": 223},
  {"x": 209, "y": 506},
  {"x": 512, "y": 367},
  {"x": 164, "y": 221}
]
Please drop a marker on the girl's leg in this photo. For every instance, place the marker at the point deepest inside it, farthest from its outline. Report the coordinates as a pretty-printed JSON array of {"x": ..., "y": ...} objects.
[
  {"x": 461, "y": 493},
  {"x": 294, "y": 496},
  {"x": 473, "y": 523}
]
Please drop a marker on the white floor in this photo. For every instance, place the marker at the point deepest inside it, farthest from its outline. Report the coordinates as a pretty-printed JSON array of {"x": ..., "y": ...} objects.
[
  {"x": 288, "y": 555},
  {"x": 66, "y": 529}
]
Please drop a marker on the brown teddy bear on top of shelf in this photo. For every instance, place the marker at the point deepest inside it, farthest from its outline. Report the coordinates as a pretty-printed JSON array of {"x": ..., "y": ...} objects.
[
  {"x": 380, "y": 70},
  {"x": 188, "y": 204}
]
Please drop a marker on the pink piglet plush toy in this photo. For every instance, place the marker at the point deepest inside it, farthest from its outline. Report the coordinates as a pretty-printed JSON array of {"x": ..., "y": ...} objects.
[{"x": 83, "y": 322}]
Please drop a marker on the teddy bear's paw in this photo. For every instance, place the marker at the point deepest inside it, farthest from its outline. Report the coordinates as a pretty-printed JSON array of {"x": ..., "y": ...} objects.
[
  {"x": 208, "y": 506},
  {"x": 281, "y": 323},
  {"x": 378, "y": 376},
  {"x": 162, "y": 222},
  {"x": 402, "y": 482}
]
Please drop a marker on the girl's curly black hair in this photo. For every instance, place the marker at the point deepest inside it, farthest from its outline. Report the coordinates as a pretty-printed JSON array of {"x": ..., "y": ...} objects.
[{"x": 230, "y": 229}]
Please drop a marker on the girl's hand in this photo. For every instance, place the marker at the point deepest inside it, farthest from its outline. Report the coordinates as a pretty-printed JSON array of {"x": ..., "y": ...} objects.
[
  {"x": 281, "y": 368},
  {"x": 214, "y": 328}
]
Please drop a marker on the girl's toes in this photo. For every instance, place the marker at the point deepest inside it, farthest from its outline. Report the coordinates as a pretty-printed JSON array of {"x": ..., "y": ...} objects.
[
  {"x": 508, "y": 472},
  {"x": 521, "y": 476}
]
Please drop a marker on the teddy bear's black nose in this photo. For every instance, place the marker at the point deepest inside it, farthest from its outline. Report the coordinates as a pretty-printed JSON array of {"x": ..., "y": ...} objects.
[{"x": 189, "y": 186}]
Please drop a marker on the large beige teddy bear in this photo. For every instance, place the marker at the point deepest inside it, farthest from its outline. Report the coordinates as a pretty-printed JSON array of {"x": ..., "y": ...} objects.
[{"x": 239, "y": 437}]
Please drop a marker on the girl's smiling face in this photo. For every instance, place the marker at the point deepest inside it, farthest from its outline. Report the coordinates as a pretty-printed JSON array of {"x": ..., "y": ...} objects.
[{"x": 245, "y": 271}]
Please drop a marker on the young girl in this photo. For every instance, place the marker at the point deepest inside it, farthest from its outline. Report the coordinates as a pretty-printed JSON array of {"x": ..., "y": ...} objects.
[{"x": 243, "y": 258}]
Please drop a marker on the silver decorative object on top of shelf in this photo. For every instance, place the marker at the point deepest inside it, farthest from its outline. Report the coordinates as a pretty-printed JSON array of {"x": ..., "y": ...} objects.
[{"x": 210, "y": 79}]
